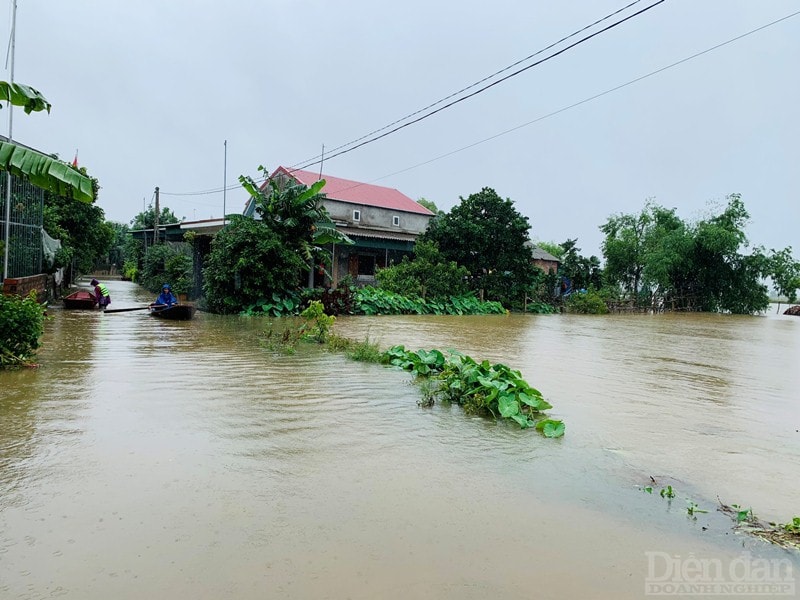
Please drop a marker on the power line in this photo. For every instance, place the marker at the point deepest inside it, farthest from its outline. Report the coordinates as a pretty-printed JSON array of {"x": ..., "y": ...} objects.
[
  {"x": 486, "y": 87},
  {"x": 438, "y": 102},
  {"x": 584, "y": 101},
  {"x": 469, "y": 87}
]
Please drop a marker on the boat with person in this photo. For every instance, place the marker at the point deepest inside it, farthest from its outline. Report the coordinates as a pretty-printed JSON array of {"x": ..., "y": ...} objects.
[
  {"x": 175, "y": 312},
  {"x": 81, "y": 299}
]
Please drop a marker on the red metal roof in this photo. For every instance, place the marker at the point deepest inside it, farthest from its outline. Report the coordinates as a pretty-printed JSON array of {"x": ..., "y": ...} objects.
[{"x": 367, "y": 194}]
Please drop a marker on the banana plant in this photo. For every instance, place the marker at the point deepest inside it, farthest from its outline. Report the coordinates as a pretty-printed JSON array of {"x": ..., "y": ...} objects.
[
  {"x": 41, "y": 170},
  {"x": 295, "y": 212}
]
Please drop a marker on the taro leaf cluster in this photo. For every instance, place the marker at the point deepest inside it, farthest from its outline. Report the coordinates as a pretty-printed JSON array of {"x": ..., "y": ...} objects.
[
  {"x": 377, "y": 301},
  {"x": 479, "y": 387}
]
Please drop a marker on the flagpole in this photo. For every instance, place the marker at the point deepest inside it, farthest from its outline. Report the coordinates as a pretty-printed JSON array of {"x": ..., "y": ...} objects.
[{"x": 7, "y": 236}]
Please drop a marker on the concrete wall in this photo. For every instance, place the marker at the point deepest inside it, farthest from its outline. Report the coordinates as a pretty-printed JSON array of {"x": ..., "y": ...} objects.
[{"x": 376, "y": 217}]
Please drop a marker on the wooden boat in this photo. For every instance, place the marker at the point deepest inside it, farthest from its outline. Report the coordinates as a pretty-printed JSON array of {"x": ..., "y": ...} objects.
[
  {"x": 79, "y": 300},
  {"x": 176, "y": 312}
]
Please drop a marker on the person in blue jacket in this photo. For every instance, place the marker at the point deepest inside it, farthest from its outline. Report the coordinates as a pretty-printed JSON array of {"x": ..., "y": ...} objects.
[{"x": 166, "y": 297}]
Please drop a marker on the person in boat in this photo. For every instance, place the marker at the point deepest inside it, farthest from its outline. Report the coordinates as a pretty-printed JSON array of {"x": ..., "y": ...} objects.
[
  {"x": 101, "y": 294},
  {"x": 166, "y": 297}
]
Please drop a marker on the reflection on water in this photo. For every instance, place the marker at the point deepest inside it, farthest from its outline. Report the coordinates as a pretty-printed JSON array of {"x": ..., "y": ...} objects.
[{"x": 148, "y": 458}]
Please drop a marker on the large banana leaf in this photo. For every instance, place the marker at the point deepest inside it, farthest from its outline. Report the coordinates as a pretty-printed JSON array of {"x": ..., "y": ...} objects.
[
  {"x": 23, "y": 95},
  {"x": 45, "y": 172},
  {"x": 328, "y": 234}
]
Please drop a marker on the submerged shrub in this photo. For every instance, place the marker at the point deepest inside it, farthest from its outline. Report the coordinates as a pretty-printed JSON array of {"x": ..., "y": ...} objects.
[
  {"x": 587, "y": 302},
  {"x": 21, "y": 326}
]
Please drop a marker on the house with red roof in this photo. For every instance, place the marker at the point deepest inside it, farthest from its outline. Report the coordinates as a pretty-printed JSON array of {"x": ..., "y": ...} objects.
[{"x": 383, "y": 222}]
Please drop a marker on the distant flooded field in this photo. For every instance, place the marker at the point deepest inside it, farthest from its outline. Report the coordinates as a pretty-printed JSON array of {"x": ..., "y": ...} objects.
[{"x": 148, "y": 458}]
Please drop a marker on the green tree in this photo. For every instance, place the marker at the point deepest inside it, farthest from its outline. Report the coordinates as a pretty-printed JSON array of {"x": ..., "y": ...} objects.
[
  {"x": 248, "y": 262},
  {"x": 784, "y": 271},
  {"x": 696, "y": 266},
  {"x": 295, "y": 213},
  {"x": 147, "y": 219},
  {"x": 623, "y": 249},
  {"x": 428, "y": 275},
  {"x": 430, "y": 205},
  {"x": 582, "y": 272},
  {"x": 167, "y": 263},
  {"x": 486, "y": 234},
  {"x": 85, "y": 236},
  {"x": 551, "y": 248}
]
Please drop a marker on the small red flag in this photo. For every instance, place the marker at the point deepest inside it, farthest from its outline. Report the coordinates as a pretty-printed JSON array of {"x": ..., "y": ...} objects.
[{"x": 75, "y": 160}]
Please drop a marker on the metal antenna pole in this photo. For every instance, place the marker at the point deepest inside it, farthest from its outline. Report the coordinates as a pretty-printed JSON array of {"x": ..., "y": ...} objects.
[
  {"x": 224, "y": 182},
  {"x": 7, "y": 236}
]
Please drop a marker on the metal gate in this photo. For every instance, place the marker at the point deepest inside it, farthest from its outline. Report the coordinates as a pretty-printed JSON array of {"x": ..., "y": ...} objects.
[{"x": 24, "y": 227}]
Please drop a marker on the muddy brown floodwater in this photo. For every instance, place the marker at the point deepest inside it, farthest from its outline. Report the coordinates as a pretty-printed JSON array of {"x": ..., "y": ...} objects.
[{"x": 181, "y": 460}]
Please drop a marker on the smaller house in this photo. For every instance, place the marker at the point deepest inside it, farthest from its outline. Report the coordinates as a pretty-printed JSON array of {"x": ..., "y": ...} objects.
[{"x": 544, "y": 260}]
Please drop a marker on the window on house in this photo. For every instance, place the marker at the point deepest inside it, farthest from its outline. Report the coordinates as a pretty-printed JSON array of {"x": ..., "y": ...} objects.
[
  {"x": 356, "y": 215},
  {"x": 396, "y": 221}
]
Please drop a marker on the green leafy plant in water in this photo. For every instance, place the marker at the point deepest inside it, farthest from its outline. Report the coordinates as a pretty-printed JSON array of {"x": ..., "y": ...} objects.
[
  {"x": 283, "y": 337},
  {"x": 667, "y": 492},
  {"x": 648, "y": 489},
  {"x": 365, "y": 351},
  {"x": 692, "y": 509},
  {"x": 743, "y": 514},
  {"x": 316, "y": 324},
  {"x": 278, "y": 306},
  {"x": 480, "y": 388},
  {"x": 376, "y": 301},
  {"x": 793, "y": 527}
]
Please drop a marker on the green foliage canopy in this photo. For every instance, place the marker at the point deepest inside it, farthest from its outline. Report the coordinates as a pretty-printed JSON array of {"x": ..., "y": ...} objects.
[
  {"x": 428, "y": 275},
  {"x": 85, "y": 236},
  {"x": 488, "y": 236},
  {"x": 295, "y": 213},
  {"x": 655, "y": 257},
  {"x": 147, "y": 218},
  {"x": 248, "y": 262}
]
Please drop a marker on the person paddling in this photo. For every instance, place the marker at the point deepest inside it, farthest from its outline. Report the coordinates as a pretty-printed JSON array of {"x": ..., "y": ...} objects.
[{"x": 166, "y": 297}]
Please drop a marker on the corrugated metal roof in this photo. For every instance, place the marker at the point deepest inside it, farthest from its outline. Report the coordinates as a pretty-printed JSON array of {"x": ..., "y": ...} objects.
[
  {"x": 378, "y": 235},
  {"x": 346, "y": 190}
]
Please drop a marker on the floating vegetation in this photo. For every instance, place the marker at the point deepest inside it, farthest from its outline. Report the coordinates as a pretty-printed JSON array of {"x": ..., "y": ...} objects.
[
  {"x": 786, "y": 535},
  {"x": 478, "y": 387}
]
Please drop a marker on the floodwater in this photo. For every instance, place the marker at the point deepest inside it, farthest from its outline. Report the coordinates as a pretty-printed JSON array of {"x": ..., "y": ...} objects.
[{"x": 182, "y": 460}]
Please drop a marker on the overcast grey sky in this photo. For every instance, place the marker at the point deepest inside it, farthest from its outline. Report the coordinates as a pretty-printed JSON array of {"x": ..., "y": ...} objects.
[{"x": 147, "y": 92}]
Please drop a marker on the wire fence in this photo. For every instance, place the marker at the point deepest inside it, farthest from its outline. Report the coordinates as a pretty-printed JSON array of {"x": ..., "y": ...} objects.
[{"x": 24, "y": 227}]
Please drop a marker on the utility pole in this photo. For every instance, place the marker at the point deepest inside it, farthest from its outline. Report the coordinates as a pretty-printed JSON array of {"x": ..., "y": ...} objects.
[{"x": 155, "y": 222}]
